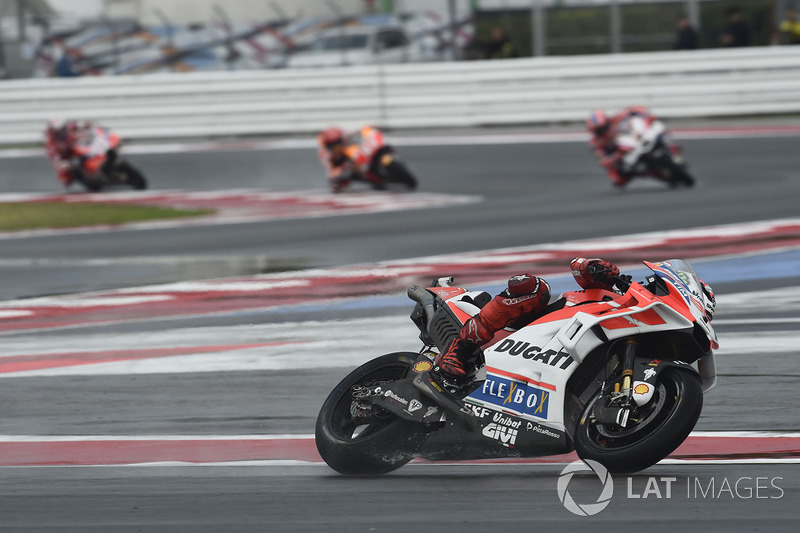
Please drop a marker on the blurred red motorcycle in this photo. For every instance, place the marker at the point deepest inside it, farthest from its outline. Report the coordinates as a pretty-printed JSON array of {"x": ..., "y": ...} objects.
[
  {"x": 99, "y": 164},
  {"x": 89, "y": 154},
  {"x": 362, "y": 156},
  {"x": 645, "y": 145}
]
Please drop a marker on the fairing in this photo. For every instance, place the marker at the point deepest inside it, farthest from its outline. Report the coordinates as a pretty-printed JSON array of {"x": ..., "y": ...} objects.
[{"x": 527, "y": 370}]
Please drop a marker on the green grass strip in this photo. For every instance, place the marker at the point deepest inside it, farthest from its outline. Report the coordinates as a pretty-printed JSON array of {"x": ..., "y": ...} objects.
[{"x": 39, "y": 215}]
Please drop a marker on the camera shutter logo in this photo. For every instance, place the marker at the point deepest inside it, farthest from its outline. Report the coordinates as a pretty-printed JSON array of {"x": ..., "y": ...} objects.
[{"x": 586, "y": 509}]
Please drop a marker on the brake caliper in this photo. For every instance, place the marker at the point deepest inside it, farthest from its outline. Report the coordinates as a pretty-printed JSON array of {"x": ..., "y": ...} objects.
[{"x": 615, "y": 410}]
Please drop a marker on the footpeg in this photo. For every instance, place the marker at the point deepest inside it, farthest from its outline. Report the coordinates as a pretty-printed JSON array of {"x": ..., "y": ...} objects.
[{"x": 462, "y": 414}]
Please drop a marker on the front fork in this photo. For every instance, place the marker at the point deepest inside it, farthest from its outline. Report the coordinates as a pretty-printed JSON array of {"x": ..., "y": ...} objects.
[
  {"x": 620, "y": 402},
  {"x": 627, "y": 368},
  {"x": 637, "y": 386}
]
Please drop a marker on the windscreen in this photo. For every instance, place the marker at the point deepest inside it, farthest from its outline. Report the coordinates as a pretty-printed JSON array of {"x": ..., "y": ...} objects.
[
  {"x": 687, "y": 275},
  {"x": 682, "y": 275}
]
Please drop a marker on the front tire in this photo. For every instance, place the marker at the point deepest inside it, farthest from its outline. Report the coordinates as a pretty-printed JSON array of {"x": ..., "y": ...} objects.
[
  {"x": 397, "y": 173},
  {"x": 353, "y": 441},
  {"x": 680, "y": 176},
  {"x": 664, "y": 423},
  {"x": 672, "y": 171},
  {"x": 131, "y": 176}
]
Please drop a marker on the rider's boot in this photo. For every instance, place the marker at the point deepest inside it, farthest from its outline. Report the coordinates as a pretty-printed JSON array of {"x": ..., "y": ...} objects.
[{"x": 450, "y": 363}]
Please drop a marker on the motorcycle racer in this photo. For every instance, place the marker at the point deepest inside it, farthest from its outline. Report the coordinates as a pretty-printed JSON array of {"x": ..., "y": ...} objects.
[
  {"x": 604, "y": 131},
  {"x": 347, "y": 158},
  {"x": 526, "y": 296},
  {"x": 61, "y": 137},
  {"x": 616, "y": 376},
  {"x": 519, "y": 304},
  {"x": 88, "y": 154}
]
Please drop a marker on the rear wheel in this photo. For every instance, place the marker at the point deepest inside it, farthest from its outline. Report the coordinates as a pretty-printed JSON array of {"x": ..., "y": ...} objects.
[
  {"x": 661, "y": 425},
  {"x": 356, "y": 437},
  {"x": 91, "y": 185}
]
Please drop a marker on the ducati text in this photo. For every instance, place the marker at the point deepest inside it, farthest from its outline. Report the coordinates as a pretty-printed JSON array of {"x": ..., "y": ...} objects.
[{"x": 560, "y": 358}]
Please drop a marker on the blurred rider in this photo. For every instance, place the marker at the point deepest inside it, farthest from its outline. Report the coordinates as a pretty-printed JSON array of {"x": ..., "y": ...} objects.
[
  {"x": 523, "y": 301},
  {"x": 604, "y": 131},
  {"x": 61, "y": 137},
  {"x": 343, "y": 158}
]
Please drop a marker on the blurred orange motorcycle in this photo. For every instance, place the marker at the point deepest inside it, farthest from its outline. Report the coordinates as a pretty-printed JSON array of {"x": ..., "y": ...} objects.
[{"x": 362, "y": 156}]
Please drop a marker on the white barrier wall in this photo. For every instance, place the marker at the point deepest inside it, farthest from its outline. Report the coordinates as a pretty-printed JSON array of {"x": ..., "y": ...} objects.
[{"x": 763, "y": 81}]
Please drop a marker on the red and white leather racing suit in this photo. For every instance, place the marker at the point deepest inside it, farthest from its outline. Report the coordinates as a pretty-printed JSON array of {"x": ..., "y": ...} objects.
[
  {"x": 525, "y": 297},
  {"x": 610, "y": 154}
]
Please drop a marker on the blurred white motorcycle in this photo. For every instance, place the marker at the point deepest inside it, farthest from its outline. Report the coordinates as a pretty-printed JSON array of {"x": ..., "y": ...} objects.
[{"x": 648, "y": 151}]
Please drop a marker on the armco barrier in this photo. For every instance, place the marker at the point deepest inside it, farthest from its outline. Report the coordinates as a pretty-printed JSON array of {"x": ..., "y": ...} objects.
[{"x": 516, "y": 91}]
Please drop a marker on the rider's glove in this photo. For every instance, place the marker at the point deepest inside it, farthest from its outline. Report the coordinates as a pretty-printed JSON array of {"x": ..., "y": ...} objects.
[{"x": 594, "y": 273}]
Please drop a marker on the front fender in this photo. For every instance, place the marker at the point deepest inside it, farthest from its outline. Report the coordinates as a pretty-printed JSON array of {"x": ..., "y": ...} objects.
[{"x": 645, "y": 374}]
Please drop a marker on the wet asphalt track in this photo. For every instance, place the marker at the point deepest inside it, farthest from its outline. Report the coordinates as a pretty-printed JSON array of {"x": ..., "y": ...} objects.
[{"x": 533, "y": 194}]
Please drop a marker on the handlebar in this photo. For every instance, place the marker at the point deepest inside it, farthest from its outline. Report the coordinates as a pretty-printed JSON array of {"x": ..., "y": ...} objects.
[{"x": 623, "y": 282}]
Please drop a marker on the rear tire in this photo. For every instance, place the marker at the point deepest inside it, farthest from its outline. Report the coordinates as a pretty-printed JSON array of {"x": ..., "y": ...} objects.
[
  {"x": 371, "y": 444},
  {"x": 672, "y": 414},
  {"x": 91, "y": 185}
]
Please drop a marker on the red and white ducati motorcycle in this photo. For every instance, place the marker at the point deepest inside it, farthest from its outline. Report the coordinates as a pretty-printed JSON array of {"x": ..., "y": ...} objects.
[
  {"x": 649, "y": 151},
  {"x": 618, "y": 377},
  {"x": 97, "y": 163}
]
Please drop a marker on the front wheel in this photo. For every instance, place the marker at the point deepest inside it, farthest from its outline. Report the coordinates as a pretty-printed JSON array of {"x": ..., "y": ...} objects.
[
  {"x": 396, "y": 172},
  {"x": 680, "y": 176},
  {"x": 130, "y": 175},
  {"x": 672, "y": 171},
  {"x": 358, "y": 438},
  {"x": 660, "y": 426}
]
